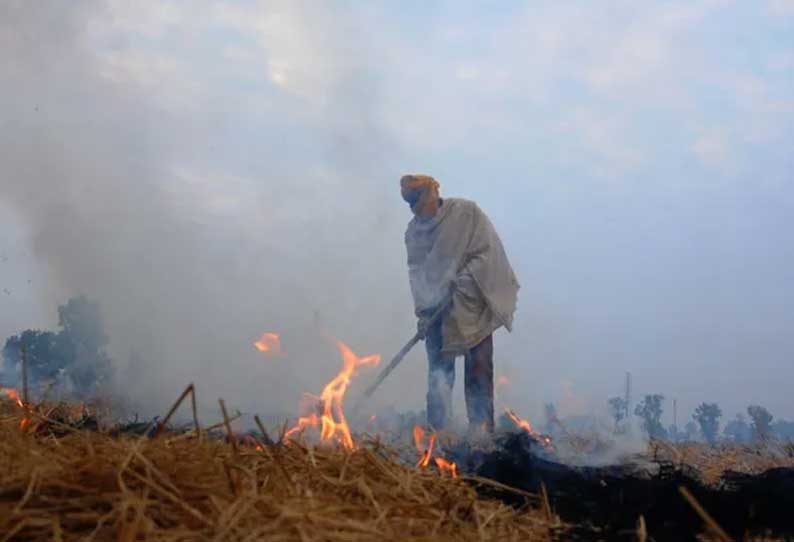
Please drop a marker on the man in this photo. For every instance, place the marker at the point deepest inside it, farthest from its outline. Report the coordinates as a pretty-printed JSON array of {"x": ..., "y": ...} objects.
[{"x": 455, "y": 257}]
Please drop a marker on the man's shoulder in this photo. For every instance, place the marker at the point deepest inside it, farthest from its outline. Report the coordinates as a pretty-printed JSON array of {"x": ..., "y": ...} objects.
[{"x": 462, "y": 205}]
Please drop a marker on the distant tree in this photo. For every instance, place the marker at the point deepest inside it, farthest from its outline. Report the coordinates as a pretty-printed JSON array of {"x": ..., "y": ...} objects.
[
  {"x": 650, "y": 410},
  {"x": 737, "y": 430},
  {"x": 76, "y": 352},
  {"x": 708, "y": 415},
  {"x": 617, "y": 408},
  {"x": 762, "y": 422},
  {"x": 44, "y": 359}
]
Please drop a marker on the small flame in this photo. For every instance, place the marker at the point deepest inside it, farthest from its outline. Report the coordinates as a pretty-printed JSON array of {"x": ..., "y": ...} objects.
[
  {"x": 523, "y": 424},
  {"x": 269, "y": 343},
  {"x": 24, "y": 423},
  {"x": 330, "y": 416},
  {"x": 447, "y": 466},
  {"x": 13, "y": 395},
  {"x": 526, "y": 426},
  {"x": 425, "y": 452}
]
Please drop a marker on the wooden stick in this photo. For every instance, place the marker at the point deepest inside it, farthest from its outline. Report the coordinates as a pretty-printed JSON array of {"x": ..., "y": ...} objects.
[
  {"x": 283, "y": 432},
  {"x": 228, "y": 425},
  {"x": 442, "y": 307},
  {"x": 493, "y": 483},
  {"x": 705, "y": 516},
  {"x": 232, "y": 475},
  {"x": 213, "y": 427},
  {"x": 265, "y": 437},
  {"x": 642, "y": 531},
  {"x": 545, "y": 501},
  {"x": 195, "y": 410},
  {"x": 24, "y": 352},
  {"x": 161, "y": 425}
]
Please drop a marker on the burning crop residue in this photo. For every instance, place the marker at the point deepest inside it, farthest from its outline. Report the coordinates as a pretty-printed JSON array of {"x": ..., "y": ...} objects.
[
  {"x": 330, "y": 416},
  {"x": 12, "y": 394},
  {"x": 425, "y": 450},
  {"x": 270, "y": 344},
  {"x": 424, "y": 446},
  {"x": 526, "y": 426},
  {"x": 446, "y": 466}
]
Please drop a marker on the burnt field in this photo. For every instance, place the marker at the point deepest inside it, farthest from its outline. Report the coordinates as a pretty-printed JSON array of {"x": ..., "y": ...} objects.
[{"x": 70, "y": 475}]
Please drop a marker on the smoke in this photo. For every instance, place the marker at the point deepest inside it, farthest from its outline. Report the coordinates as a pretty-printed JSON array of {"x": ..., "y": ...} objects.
[
  {"x": 210, "y": 171},
  {"x": 192, "y": 243}
]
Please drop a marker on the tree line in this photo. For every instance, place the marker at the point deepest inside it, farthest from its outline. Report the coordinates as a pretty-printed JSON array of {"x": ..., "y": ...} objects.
[
  {"x": 757, "y": 426},
  {"x": 74, "y": 357}
]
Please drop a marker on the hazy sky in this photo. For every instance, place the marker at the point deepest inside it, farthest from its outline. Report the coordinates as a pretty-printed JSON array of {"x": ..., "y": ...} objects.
[{"x": 211, "y": 170}]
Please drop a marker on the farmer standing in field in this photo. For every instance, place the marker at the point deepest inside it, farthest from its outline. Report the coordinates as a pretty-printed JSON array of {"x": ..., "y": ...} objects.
[{"x": 453, "y": 247}]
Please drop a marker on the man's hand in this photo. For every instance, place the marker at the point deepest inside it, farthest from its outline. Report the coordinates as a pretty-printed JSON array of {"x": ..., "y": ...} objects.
[
  {"x": 421, "y": 327},
  {"x": 423, "y": 322}
]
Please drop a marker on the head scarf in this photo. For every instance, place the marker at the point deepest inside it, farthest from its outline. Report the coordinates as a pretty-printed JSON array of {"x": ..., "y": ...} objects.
[{"x": 421, "y": 192}]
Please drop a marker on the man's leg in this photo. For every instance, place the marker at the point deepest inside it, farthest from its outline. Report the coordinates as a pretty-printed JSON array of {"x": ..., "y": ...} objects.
[
  {"x": 479, "y": 385},
  {"x": 441, "y": 378}
]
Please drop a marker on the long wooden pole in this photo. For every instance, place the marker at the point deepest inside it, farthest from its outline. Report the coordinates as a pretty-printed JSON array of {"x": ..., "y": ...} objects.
[
  {"x": 404, "y": 350},
  {"x": 24, "y": 352}
]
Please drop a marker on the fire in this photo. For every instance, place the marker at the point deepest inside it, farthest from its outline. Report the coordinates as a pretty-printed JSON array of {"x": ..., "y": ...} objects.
[
  {"x": 425, "y": 452},
  {"x": 269, "y": 343},
  {"x": 444, "y": 465},
  {"x": 523, "y": 424},
  {"x": 502, "y": 381},
  {"x": 330, "y": 415},
  {"x": 526, "y": 426},
  {"x": 13, "y": 395}
]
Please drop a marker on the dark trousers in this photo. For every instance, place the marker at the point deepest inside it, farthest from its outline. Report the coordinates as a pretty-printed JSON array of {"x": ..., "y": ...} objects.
[{"x": 478, "y": 380}]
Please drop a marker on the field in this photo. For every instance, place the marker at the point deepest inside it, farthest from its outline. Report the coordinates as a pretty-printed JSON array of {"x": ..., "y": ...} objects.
[{"x": 66, "y": 477}]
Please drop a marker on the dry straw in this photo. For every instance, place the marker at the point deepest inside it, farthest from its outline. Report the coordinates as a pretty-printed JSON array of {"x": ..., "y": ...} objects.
[{"x": 57, "y": 483}]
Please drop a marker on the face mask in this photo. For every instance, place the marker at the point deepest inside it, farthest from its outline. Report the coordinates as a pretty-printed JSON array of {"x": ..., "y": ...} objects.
[{"x": 413, "y": 198}]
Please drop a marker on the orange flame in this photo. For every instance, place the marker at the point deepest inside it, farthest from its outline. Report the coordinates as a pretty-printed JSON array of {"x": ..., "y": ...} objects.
[
  {"x": 13, "y": 395},
  {"x": 444, "y": 465},
  {"x": 425, "y": 452},
  {"x": 332, "y": 421},
  {"x": 523, "y": 424},
  {"x": 526, "y": 426},
  {"x": 269, "y": 343}
]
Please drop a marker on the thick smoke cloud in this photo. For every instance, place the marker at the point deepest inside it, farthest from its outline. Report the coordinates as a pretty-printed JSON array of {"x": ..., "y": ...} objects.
[
  {"x": 191, "y": 265},
  {"x": 209, "y": 171}
]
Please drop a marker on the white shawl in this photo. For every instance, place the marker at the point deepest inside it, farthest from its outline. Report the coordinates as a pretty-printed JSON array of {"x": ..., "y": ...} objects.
[{"x": 460, "y": 245}]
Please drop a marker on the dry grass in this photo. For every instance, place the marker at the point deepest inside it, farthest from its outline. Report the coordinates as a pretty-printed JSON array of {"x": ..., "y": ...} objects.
[
  {"x": 714, "y": 461},
  {"x": 87, "y": 485}
]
